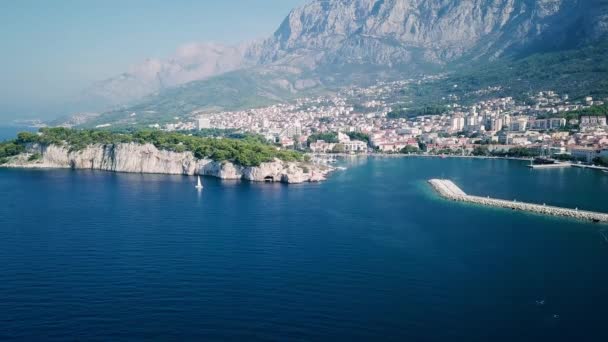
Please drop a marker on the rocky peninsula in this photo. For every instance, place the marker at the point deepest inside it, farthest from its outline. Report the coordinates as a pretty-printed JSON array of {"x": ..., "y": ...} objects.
[
  {"x": 146, "y": 157},
  {"x": 447, "y": 189}
]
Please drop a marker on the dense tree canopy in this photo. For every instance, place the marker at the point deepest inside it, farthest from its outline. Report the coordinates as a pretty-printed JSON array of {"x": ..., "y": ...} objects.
[
  {"x": 516, "y": 152},
  {"x": 9, "y": 149},
  {"x": 248, "y": 151},
  {"x": 329, "y": 137},
  {"x": 332, "y": 137},
  {"x": 522, "y": 152},
  {"x": 410, "y": 149},
  {"x": 602, "y": 161},
  {"x": 358, "y": 136},
  {"x": 481, "y": 151}
]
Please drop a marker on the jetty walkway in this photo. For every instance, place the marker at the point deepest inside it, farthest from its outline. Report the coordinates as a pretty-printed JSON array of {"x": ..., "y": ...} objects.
[{"x": 447, "y": 189}]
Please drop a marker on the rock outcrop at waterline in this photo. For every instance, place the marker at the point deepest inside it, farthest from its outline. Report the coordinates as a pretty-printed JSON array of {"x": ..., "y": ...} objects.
[{"x": 138, "y": 158}]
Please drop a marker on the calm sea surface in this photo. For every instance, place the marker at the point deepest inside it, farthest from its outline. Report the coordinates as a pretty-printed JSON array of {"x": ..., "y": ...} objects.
[
  {"x": 10, "y": 132},
  {"x": 371, "y": 254}
]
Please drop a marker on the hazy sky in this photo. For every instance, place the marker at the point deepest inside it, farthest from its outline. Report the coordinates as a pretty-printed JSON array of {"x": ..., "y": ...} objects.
[{"x": 52, "y": 49}]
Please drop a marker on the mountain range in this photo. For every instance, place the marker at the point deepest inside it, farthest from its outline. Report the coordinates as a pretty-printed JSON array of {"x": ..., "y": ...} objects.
[
  {"x": 400, "y": 32},
  {"x": 190, "y": 62},
  {"x": 331, "y": 43}
]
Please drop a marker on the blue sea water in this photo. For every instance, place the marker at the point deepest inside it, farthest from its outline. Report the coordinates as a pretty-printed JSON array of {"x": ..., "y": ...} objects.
[
  {"x": 10, "y": 132},
  {"x": 371, "y": 254}
]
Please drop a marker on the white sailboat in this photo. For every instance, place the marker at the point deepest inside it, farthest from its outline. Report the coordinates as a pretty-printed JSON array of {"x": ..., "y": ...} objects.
[{"x": 199, "y": 185}]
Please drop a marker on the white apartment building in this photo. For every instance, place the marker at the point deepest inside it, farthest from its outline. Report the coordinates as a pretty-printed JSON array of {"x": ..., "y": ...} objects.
[
  {"x": 355, "y": 146},
  {"x": 593, "y": 121}
]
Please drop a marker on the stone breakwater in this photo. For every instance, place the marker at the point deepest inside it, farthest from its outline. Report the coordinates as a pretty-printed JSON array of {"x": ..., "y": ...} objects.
[
  {"x": 146, "y": 158},
  {"x": 449, "y": 190}
]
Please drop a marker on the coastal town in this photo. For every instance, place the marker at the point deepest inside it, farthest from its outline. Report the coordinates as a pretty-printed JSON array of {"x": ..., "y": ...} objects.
[{"x": 373, "y": 120}]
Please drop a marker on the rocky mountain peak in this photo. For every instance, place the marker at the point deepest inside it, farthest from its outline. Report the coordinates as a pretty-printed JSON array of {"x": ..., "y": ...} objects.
[
  {"x": 394, "y": 35},
  {"x": 431, "y": 31}
]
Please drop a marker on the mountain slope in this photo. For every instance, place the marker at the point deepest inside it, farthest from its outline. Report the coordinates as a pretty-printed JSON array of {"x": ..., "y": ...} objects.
[
  {"x": 231, "y": 91},
  {"x": 191, "y": 62},
  {"x": 578, "y": 72},
  {"x": 401, "y": 32},
  {"x": 358, "y": 42},
  {"x": 406, "y": 35}
]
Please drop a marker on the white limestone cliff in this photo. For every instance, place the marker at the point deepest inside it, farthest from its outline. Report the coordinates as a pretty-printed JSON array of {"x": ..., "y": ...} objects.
[{"x": 137, "y": 158}]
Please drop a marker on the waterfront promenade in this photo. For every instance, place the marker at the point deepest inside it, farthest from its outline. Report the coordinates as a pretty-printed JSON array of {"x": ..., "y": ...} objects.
[{"x": 447, "y": 189}]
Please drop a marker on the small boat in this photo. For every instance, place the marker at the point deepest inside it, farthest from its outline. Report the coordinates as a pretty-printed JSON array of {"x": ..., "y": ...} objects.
[
  {"x": 543, "y": 161},
  {"x": 199, "y": 185}
]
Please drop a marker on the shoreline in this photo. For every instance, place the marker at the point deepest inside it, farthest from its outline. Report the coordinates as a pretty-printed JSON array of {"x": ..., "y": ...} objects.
[
  {"x": 397, "y": 155},
  {"x": 460, "y": 157},
  {"x": 147, "y": 159},
  {"x": 322, "y": 176}
]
